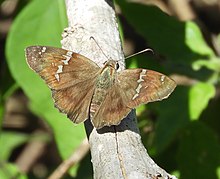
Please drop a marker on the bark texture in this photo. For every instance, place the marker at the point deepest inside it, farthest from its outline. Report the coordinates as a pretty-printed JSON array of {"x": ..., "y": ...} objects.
[{"x": 117, "y": 152}]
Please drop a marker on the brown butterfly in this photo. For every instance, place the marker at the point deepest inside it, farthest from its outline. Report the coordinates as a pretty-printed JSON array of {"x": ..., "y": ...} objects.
[{"x": 83, "y": 90}]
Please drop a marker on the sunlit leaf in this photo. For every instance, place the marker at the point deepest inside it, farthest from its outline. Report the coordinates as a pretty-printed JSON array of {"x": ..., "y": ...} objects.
[
  {"x": 199, "y": 96},
  {"x": 41, "y": 23},
  {"x": 9, "y": 171},
  {"x": 10, "y": 140}
]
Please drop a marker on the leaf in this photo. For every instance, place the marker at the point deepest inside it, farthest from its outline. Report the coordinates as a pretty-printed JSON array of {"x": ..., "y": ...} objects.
[
  {"x": 213, "y": 64},
  {"x": 198, "y": 155},
  {"x": 178, "y": 43},
  {"x": 218, "y": 172},
  {"x": 9, "y": 141},
  {"x": 176, "y": 112},
  {"x": 195, "y": 40},
  {"x": 1, "y": 114},
  {"x": 176, "y": 40},
  {"x": 173, "y": 116},
  {"x": 41, "y": 23},
  {"x": 9, "y": 171},
  {"x": 199, "y": 96}
]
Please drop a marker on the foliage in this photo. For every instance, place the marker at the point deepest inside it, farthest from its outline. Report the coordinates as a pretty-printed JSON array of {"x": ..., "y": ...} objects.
[
  {"x": 182, "y": 131},
  {"x": 185, "y": 135}
]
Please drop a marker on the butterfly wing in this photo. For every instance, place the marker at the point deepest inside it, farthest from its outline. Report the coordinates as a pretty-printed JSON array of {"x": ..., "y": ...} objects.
[
  {"x": 132, "y": 88},
  {"x": 60, "y": 68},
  {"x": 142, "y": 86},
  {"x": 112, "y": 110},
  {"x": 75, "y": 100},
  {"x": 64, "y": 72}
]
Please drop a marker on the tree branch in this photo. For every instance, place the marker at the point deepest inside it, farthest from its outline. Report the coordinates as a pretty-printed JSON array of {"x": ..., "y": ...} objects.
[
  {"x": 117, "y": 151},
  {"x": 75, "y": 158}
]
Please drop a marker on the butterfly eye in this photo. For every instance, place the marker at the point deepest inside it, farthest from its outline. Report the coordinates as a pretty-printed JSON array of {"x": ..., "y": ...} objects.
[{"x": 117, "y": 66}]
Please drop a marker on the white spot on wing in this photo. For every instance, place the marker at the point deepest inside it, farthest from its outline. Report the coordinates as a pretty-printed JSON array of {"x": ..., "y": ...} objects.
[
  {"x": 67, "y": 56},
  {"x": 44, "y": 49},
  {"x": 135, "y": 96},
  {"x": 140, "y": 80},
  {"x": 69, "y": 53},
  {"x": 60, "y": 70},
  {"x": 138, "y": 89},
  {"x": 162, "y": 78},
  {"x": 57, "y": 77}
]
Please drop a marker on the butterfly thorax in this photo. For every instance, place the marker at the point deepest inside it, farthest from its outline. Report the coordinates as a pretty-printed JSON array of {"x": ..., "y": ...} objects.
[{"x": 104, "y": 82}]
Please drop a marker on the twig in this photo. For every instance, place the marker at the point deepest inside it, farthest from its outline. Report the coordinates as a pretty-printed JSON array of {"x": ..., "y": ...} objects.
[
  {"x": 75, "y": 158},
  {"x": 31, "y": 153},
  {"x": 182, "y": 9}
]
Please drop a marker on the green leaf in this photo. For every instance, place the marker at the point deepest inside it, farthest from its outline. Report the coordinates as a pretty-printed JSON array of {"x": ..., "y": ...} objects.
[
  {"x": 178, "y": 43},
  {"x": 173, "y": 116},
  {"x": 212, "y": 64},
  {"x": 167, "y": 35},
  {"x": 41, "y": 23},
  {"x": 9, "y": 141},
  {"x": 1, "y": 115},
  {"x": 9, "y": 171},
  {"x": 198, "y": 155},
  {"x": 67, "y": 134},
  {"x": 199, "y": 96},
  {"x": 195, "y": 40},
  {"x": 218, "y": 172}
]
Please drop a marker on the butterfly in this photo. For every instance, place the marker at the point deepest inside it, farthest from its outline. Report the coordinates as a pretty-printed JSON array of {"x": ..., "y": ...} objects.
[{"x": 83, "y": 90}]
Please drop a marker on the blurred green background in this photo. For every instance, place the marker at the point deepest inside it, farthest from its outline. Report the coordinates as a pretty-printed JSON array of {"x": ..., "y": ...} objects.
[{"x": 181, "y": 134}]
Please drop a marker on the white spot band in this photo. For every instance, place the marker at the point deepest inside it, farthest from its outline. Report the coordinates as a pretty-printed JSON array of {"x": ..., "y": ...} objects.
[
  {"x": 60, "y": 70},
  {"x": 67, "y": 57},
  {"x": 138, "y": 89}
]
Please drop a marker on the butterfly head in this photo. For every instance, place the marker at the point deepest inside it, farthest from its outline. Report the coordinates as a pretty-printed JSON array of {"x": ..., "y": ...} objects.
[{"x": 112, "y": 64}]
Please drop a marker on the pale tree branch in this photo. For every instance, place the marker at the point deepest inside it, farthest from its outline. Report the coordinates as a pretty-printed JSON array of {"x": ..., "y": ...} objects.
[{"x": 117, "y": 151}]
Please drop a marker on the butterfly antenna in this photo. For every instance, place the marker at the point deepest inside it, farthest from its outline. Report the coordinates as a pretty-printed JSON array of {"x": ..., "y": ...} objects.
[
  {"x": 99, "y": 47},
  {"x": 142, "y": 51}
]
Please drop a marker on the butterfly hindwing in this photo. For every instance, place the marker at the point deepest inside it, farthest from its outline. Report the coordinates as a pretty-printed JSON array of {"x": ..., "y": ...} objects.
[
  {"x": 75, "y": 100},
  {"x": 142, "y": 86},
  {"x": 112, "y": 110}
]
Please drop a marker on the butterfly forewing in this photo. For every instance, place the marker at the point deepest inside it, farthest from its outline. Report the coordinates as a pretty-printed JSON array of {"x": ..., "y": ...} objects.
[
  {"x": 60, "y": 68},
  {"x": 142, "y": 86},
  {"x": 71, "y": 77}
]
